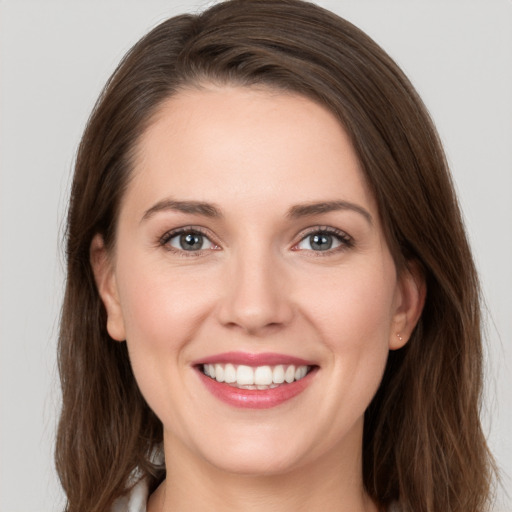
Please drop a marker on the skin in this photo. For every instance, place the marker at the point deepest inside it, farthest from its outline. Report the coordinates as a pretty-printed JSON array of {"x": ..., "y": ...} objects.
[{"x": 257, "y": 285}]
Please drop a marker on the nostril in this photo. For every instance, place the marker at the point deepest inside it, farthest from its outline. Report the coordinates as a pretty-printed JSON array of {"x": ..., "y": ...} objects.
[
  {"x": 255, "y": 318},
  {"x": 254, "y": 297},
  {"x": 255, "y": 328}
]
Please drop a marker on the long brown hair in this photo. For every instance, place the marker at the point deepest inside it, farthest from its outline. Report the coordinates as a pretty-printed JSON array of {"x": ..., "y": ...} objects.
[{"x": 423, "y": 443}]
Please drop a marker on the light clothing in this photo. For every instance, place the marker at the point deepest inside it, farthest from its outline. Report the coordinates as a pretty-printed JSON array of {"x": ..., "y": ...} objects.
[{"x": 135, "y": 501}]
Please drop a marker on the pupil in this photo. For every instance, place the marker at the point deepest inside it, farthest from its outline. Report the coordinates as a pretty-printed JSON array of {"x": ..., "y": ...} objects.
[
  {"x": 321, "y": 242},
  {"x": 191, "y": 241}
]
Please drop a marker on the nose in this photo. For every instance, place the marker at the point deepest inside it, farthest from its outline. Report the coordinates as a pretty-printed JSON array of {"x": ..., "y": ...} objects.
[{"x": 256, "y": 296}]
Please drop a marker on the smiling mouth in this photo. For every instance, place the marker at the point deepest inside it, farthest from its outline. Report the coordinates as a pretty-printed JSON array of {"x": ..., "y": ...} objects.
[{"x": 255, "y": 377}]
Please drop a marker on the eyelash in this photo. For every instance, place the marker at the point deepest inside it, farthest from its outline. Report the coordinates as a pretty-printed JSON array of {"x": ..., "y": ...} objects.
[
  {"x": 346, "y": 241},
  {"x": 189, "y": 230}
]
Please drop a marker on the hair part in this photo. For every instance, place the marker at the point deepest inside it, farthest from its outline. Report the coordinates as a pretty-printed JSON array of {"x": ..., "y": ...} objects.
[{"x": 423, "y": 442}]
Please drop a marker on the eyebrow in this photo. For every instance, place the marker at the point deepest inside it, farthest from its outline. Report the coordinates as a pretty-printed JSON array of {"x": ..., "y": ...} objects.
[
  {"x": 295, "y": 212},
  {"x": 310, "y": 209},
  {"x": 193, "y": 207}
]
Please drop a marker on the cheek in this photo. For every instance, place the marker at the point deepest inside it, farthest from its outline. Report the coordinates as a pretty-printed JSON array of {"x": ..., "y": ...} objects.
[
  {"x": 162, "y": 310},
  {"x": 354, "y": 320},
  {"x": 354, "y": 316},
  {"x": 160, "y": 305},
  {"x": 354, "y": 306}
]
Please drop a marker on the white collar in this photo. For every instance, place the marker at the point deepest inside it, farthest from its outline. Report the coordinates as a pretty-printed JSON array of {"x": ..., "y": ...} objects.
[{"x": 135, "y": 501}]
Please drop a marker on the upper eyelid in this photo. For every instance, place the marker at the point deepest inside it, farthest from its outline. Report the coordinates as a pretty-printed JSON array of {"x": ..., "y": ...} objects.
[
  {"x": 345, "y": 239},
  {"x": 163, "y": 241},
  {"x": 322, "y": 229},
  {"x": 297, "y": 239},
  {"x": 171, "y": 233}
]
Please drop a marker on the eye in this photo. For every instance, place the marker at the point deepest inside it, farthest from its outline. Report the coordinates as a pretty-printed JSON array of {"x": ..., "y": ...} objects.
[
  {"x": 188, "y": 240},
  {"x": 324, "y": 240}
]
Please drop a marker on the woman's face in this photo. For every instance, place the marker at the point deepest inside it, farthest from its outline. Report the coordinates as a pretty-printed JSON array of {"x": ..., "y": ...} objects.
[{"x": 249, "y": 245}]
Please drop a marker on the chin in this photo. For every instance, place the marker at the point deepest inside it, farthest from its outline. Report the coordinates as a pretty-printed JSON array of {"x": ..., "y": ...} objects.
[
  {"x": 258, "y": 463},
  {"x": 257, "y": 452}
]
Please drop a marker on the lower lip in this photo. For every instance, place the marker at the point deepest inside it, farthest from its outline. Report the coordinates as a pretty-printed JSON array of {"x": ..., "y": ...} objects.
[{"x": 256, "y": 398}]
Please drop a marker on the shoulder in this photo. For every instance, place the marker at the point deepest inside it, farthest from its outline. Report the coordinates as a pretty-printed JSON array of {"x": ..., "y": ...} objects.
[{"x": 135, "y": 500}]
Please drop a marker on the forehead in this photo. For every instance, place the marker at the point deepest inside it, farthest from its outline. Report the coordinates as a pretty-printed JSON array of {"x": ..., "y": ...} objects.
[{"x": 258, "y": 145}]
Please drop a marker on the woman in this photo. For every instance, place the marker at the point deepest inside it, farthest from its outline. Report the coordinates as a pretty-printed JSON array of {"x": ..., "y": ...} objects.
[{"x": 269, "y": 283}]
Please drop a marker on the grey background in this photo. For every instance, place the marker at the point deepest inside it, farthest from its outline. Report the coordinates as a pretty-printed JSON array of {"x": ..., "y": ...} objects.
[{"x": 55, "y": 57}]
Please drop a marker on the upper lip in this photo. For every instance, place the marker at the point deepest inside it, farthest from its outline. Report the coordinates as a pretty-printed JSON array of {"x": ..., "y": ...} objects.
[{"x": 250, "y": 359}]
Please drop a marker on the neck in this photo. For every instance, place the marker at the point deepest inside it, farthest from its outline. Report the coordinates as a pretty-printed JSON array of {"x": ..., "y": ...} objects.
[{"x": 333, "y": 482}]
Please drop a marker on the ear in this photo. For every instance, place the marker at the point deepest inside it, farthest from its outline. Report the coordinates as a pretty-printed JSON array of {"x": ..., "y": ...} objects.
[
  {"x": 105, "y": 278},
  {"x": 411, "y": 294}
]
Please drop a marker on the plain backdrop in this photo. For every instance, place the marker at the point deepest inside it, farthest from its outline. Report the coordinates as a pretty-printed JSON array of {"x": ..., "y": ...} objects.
[{"x": 55, "y": 57}]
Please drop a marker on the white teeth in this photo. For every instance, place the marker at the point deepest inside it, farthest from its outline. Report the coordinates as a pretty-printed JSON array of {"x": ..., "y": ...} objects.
[
  {"x": 289, "y": 375},
  {"x": 278, "y": 374},
  {"x": 263, "y": 376},
  {"x": 219, "y": 373},
  {"x": 244, "y": 375},
  {"x": 300, "y": 372},
  {"x": 229, "y": 374},
  {"x": 260, "y": 377}
]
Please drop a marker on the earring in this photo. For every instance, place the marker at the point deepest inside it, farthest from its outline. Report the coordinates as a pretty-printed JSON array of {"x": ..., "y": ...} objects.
[{"x": 400, "y": 337}]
